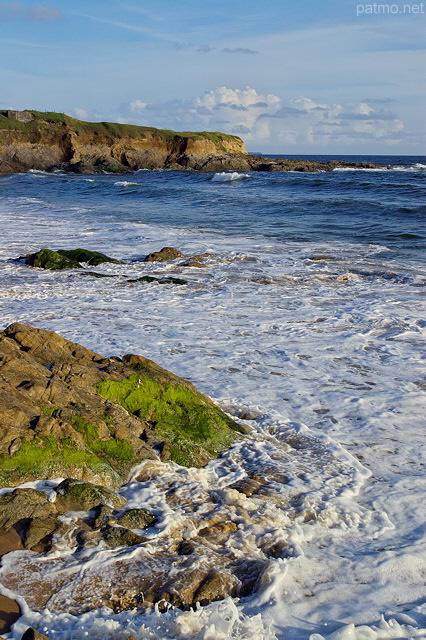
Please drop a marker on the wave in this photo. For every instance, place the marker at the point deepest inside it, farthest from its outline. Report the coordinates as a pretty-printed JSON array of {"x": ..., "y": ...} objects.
[
  {"x": 125, "y": 183},
  {"x": 229, "y": 177},
  {"x": 416, "y": 167}
]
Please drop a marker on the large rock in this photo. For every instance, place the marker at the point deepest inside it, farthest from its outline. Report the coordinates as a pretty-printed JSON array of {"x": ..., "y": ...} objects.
[
  {"x": 66, "y": 259},
  {"x": 67, "y": 411}
]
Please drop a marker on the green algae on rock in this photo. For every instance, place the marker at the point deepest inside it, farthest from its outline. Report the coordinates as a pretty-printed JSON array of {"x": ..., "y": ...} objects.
[
  {"x": 66, "y": 411},
  {"x": 67, "y": 258},
  {"x": 195, "y": 429},
  {"x": 49, "y": 259}
]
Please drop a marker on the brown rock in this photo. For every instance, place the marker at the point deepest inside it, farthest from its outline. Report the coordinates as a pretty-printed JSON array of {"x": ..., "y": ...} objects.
[
  {"x": 9, "y": 613},
  {"x": 164, "y": 255}
]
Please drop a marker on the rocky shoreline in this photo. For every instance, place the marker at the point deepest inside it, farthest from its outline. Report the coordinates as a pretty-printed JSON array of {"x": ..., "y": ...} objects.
[
  {"x": 67, "y": 412},
  {"x": 31, "y": 140}
]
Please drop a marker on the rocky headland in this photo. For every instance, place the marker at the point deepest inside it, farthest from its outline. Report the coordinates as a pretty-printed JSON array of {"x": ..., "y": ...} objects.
[{"x": 54, "y": 141}]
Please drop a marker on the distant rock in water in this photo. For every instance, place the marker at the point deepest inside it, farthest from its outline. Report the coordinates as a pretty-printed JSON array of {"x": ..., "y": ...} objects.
[
  {"x": 68, "y": 412},
  {"x": 164, "y": 255}
]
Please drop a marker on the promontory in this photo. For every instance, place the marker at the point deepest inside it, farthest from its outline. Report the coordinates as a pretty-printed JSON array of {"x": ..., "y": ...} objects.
[{"x": 50, "y": 141}]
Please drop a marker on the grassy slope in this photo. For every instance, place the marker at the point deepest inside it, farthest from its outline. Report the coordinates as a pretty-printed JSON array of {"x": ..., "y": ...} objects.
[{"x": 109, "y": 129}]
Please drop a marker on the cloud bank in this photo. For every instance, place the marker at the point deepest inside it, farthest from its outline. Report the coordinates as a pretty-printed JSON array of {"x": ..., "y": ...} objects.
[{"x": 268, "y": 122}]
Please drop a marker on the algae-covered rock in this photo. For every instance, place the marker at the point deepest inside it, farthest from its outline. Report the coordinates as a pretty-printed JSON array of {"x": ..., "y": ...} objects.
[
  {"x": 53, "y": 260},
  {"x": 66, "y": 411},
  {"x": 195, "y": 428},
  {"x": 93, "y": 258},
  {"x": 66, "y": 258}
]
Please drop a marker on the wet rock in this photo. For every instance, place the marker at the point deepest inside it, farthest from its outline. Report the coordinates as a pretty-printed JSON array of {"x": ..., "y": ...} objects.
[
  {"x": 18, "y": 505},
  {"x": 93, "y": 258},
  {"x": 164, "y": 255},
  {"x": 29, "y": 514},
  {"x": 48, "y": 259},
  {"x": 169, "y": 280},
  {"x": 76, "y": 495},
  {"x": 66, "y": 258},
  {"x": 116, "y": 536},
  {"x": 65, "y": 411},
  {"x": 9, "y": 613},
  {"x": 137, "y": 519}
]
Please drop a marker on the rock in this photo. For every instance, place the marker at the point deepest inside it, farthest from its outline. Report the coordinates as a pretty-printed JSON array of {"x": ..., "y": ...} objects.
[
  {"x": 66, "y": 259},
  {"x": 65, "y": 411},
  {"x": 93, "y": 258},
  {"x": 169, "y": 280},
  {"x": 19, "y": 504},
  {"x": 120, "y": 537},
  {"x": 9, "y": 613},
  {"x": 165, "y": 254},
  {"x": 137, "y": 519},
  {"x": 76, "y": 495},
  {"x": 33, "y": 634},
  {"x": 48, "y": 259}
]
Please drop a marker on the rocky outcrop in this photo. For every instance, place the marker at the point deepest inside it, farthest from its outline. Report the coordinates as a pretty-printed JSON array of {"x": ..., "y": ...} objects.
[
  {"x": 67, "y": 411},
  {"x": 49, "y": 141}
]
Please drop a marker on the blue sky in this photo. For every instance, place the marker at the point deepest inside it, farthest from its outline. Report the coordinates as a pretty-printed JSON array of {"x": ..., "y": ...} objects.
[{"x": 313, "y": 76}]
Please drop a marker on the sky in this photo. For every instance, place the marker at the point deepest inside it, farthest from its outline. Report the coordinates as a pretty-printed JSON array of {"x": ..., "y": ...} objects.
[{"x": 287, "y": 76}]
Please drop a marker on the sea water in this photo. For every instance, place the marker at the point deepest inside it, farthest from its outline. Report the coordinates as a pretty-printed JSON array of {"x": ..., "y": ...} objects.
[{"x": 307, "y": 316}]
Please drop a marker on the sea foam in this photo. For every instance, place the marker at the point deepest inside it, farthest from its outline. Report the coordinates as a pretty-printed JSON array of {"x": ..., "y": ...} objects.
[{"x": 229, "y": 177}]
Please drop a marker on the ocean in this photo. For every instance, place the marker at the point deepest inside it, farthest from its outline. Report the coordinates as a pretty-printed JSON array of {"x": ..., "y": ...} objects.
[{"x": 306, "y": 314}]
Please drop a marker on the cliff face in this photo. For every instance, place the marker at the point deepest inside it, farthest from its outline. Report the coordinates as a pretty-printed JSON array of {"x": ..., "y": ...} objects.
[{"x": 45, "y": 141}]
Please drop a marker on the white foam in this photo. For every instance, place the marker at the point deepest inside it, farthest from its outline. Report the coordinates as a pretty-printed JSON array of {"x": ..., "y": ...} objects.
[
  {"x": 126, "y": 183},
  {"x": 230, "y": 177},
  {"x": 332, "y": 367}
]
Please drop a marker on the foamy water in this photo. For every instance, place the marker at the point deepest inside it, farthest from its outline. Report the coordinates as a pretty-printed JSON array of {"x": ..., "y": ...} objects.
[{"x": 321, "y": 342}]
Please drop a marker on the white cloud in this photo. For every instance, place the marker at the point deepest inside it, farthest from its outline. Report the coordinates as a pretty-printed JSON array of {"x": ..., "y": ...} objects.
[{"x": 270, "y": 123}]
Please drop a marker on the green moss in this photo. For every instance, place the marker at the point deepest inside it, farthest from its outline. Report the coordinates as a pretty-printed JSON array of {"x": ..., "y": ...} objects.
[
  {"x": 48, "y": 259},
  {"x": 84, "y": 255},
  {"x": 114, "y": 450},
  {"x": 49, "y": 411},
  {"x": 195, "y": 428},
  {"x": 43, "y": 457}
]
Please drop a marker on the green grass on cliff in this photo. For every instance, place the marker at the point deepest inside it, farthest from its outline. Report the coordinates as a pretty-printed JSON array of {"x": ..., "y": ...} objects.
[
  {"x": 195, "y": 429},
  {"x": 109, "y": 129}
]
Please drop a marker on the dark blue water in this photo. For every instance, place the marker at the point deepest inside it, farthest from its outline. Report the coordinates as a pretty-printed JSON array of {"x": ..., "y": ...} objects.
[{"x": 385, "y": 207}]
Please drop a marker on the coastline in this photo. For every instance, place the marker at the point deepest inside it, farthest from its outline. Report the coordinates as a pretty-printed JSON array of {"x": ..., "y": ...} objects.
[{"x": 52, "y": 142}]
